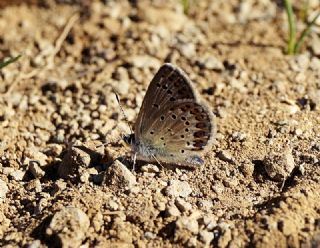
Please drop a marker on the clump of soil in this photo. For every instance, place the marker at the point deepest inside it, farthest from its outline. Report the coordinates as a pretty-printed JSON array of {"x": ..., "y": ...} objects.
[{"x": 65, "y": 173}]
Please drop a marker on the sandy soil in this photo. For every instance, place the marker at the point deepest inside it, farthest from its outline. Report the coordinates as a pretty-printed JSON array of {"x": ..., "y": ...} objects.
[{"x": 59, "y": 186}]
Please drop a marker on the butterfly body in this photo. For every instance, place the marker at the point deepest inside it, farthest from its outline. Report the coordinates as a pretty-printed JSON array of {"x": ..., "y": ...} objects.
[{"x": 173, "y": 126}]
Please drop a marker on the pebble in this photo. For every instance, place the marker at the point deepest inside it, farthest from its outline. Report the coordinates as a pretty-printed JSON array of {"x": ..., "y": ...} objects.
[
  {"x": 315, "y": 46},
  {"x": 247, "y": 168},
  {"x": 279, "y": 165},
  {"x": 205, "y": 204},
  {"x": 172, "y": 211},
  {"x": 35, "y": 244},
  {"x": 178, "y": 188},
  {"x": 206, "y": 236},
  {"x": 3, "y": 189},
  {"x": 211, "y": 63},
  {"x": 183, "y": 205},
  {"x": 34, "y": 185},
  {"x": 239, "y": 136},
  {"x": 225, "y": 237},
  {"x": 122, "y": 81},
  {"x": 59, "y": 186},
  {"x": 35, "y": 169},
  {"x": 77, "y": 156},
  {"x": 18, "y": 175},
  {"x": 118, "y": 174},
  {"x": 188, "y": 223},
  {"x": 151, "y": 168},
  {"x": 226, "y": 156},
  {"x": 150, "y": 235},
  {"x": 144, "y": 61},
  {"x": 69, "y": 227},
  {"x": 35, "y": 155}
]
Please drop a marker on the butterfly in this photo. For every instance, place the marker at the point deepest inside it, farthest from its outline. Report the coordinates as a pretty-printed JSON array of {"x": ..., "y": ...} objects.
[{"x": 174, "y": 126}]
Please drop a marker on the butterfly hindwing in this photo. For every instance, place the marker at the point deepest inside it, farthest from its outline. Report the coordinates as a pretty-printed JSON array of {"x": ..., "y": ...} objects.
[{"x": 181, "y": 132}]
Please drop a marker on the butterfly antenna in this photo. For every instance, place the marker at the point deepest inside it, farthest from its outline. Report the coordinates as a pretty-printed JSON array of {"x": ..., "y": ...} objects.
[{"x": 123, "y": 113}]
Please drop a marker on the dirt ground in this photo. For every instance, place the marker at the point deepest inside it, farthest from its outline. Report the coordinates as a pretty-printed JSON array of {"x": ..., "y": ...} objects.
[{"x": 61, "y": 186}]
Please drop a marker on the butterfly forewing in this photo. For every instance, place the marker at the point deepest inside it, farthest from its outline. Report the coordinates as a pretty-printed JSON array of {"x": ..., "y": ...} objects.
[{"x": 168, "y": 85}]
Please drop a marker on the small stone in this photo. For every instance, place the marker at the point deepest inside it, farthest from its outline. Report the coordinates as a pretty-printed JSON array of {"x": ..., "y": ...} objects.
[
  {"x": 239, "y": 136},
  {"x": 35, "y": 169},
  {"x": 122, "y": 81},
  {"x": 302, "y": 169},
  {"x": 182, "y": 205},
  {"x": 33, "y": 154},
  {"x": 35, "y": 185},
  {"x": 178, "y": 188},
  {"x": 69, "y": 227},
  {"x": 315, "y": 46},
  {"x": 8, "y": 170},
  {"x": 211, "y": 63},
  {"x": 97, "y": 221},
  {"x": 59, "y": 186},
  {"x": 206, "y": 237},
  {"x": 18, "y": 175},
  {"x": 35, "y": 244},
  {"x": 144, "y": 61},
  {"x": 218, "y": 187},
  {"x": 226, "y": 156},
  {"x": 118, "y": 174},
  {"x": 247, "y": 168},
  {"x": 205, "y": 204},
  {"x": 53, "y": 149},
  {"x": 3, "y": 190},
  {"x": 150, "y": 235},
  {"x": 279, "y": 165},
  {"x": 187, "y": 50},
  {"x": 188, "y": 223},
  {"x": 82, "y": 155},
  {"x": 113, "y": 206},
  {"x": 172, "y": 211},
  {"x": 225, "y": 237},
  {"x": 151, "y": 168}
]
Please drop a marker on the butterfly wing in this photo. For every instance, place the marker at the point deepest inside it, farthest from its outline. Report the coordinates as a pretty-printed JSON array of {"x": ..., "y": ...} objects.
[
  {"x": 168, "y": 85},
  {"x": 180, "y": 133},
  {"x": 173, "y": 125}
]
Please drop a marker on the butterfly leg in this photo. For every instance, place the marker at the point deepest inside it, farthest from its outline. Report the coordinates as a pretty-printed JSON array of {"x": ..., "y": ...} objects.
[
  {"x": 134, "y": 161},
  {"x": 157, "y": 160}
]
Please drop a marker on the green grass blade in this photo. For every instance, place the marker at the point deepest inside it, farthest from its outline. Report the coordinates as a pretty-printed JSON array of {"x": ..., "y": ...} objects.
[
  {"x": 9, "y": 61},
  {"x": 186, "y": 6},
  {"x": 305, "y": 32},
  {"x": 292, "y": 27}
]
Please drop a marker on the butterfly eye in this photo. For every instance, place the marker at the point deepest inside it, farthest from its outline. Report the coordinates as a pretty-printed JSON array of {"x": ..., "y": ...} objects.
[
  {"x": 182, "y": 151},
  {"x": 151, "y": 132},
  {"x": 187, "y": 130},
  {"x": 156, "y": 105},
  {"x": 183, "y": 118},
  {"x": 182, "y": 136},
  {"x": 174, "y": 117},
  {"x": 187, "y": 123},
  {"x": 162, "y": 118}
]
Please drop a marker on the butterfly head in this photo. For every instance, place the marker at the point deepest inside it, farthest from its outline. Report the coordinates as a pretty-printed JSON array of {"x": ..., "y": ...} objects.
[{"x": 129, "y": 139}]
